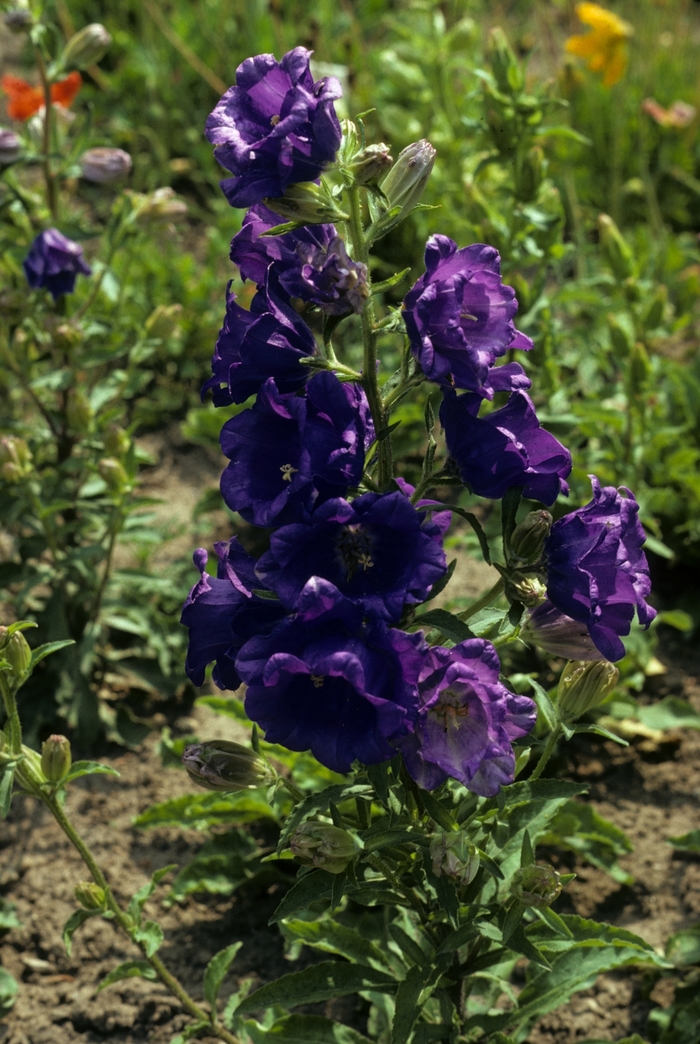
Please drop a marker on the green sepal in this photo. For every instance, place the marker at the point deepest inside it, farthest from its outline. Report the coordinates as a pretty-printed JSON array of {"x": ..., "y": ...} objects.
[{"x": 128, "y": 970}]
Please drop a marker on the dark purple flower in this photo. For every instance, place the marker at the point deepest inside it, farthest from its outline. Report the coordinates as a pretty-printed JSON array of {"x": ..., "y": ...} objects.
[
  {"x": 459, "y": 316},
  {"x": 268, "y": 341},
  {"x": 54, "y": 263},
  {"x": 324, "y": 681},
  {"x": 222, "y": 613},
  {"x": 288, "y": 453},
  {"x": 596, "y": 570},
  {"x": 311, "y": 262},
  {"x": 506, "y": 448},
  {"x": 557, "y": 634},
  {"x": 377, "y": 550},
  {"x": 467, "y": 721},
  {"x": 275, "y": 127}
]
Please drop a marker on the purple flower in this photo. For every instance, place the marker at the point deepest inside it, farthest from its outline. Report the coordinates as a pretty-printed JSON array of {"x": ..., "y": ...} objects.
[
  {"x": 459, "y": 316},
  {"x": 54, "y": 263},
  {"x": 287, "y": 452},
  {"x": 311, "y": 262},
  {"x": 324, "y": 681},
  {"x": 222, "y": 613},
  {"x": 596, "y": 570},
  {"x": 268, "y": 341},
  {"x": 377, "y": 550},
  {"x": 558, "y": 634},
  {"x": 275, "y": 127},
  {"x": 504, "y": 449},
  {"x": 467, "y": 721}
]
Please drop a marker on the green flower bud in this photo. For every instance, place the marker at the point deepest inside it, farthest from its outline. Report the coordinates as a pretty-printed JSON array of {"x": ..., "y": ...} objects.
[
  {"x": 371, "y": 164},
  {"x": 158, "y": 207},
  {"x": 113, "y": 473},
  {"x": 15, "y": 458},
  {"x": 18, "y": 654},
  {"x": 640, "y": 368},
  {"x": 528, "y": 538},
  {"x": 90, "y": 895},
  {"x": 536, "y": 886},
  {"x": 502, "y": 124},
  {"x": 526, "y": 587},
  {"x": 56, "y": 758},
  {"x": 222, "y": 765},
  {"x": 78, "y": 411},
  {"x": 530, "y": 175},
  {"x": 405, "y": 183},
  {"x": 349, "y": 142},
  {"x": 461, "y": 36},
  {"x": 653, "y": 314},
  {"x": 583, "y": 685},
  {"x": 164, "y": 321},
  {"x": 615, "y": 248},
  {"x": 67, "y": 336},
  {"x": 454, "y": 857},
  {"x": 307, "y": 203},
  {"x": 504, "y": 65},
  {"x": 87, "y": 47},
  {"x": 116, "y": 441},
  {"x": 323, "y": 845},
  {"x": 619, "y": 335}
]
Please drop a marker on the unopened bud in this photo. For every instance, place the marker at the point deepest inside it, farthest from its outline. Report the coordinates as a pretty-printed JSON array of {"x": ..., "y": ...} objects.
[
  {"x": 323, "y": 845},
  {"x": 19, "y": 20},
  {"x": 222, "y": 765},
  {"x": 15, "y": 458},
  {"x": 56, "y": 758},
  {"x": 615, "y": 247},
  {"x": 67, "y": 336},
  {"x": 78, "y": 411},
  {"x": 103, "y": 165},
  {"x": 504, "y": 65},
  {"x": 160, "y": 206},
  {"x": 454, "y": 857},
  {"x": 640, "y": 368},
  {"x": 116, "y": 441},
  {"x": 18, "y": 654},
  {"x": 536, "y": 886},
  {"x": 10, "y": 147},
  {"x": 308, "y": 203},
  {"x": 87, "y": 47},
  {"x": 619, "y": 335},
  {"x": 583, "y": 686},
  {"x": 405, "y": 183},
  {"x": 529, "y": 536},
  {"x": 113, "y": 473},
  {"x": 525, "y": 587},
  {"x": 557, "y": 634},
  {"x": 530, "y": 175},
  {"x": 653, "y": 314},
  {"x": 90, "y": 895},
  {"x": 164, "y": 321},
  {"x": 349, "y": 141},
  {"x": 371, "y": 164},
  {"x": 502, "y": 123}
]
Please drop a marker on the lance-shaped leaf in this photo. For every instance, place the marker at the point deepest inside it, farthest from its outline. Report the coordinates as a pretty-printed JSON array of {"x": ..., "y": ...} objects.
[{"x": 318, "y": 983}]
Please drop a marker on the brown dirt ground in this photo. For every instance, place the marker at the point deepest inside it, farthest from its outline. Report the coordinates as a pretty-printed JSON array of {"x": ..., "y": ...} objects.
[{"x": 650, "y": 791}]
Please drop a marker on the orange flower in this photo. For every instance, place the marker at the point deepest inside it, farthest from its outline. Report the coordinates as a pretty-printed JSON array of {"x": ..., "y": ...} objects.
[
  {"x": 605, "y": 48},
  {"x": 25, "y": 100}
]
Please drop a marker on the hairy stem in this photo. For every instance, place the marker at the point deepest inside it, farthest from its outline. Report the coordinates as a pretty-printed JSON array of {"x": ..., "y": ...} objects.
[
  {"x": 369, "y": 338},
  {"x": 481, "y": 603},
  {"x": 13, "y": 728},
  {"x": 551, "y": 743}
]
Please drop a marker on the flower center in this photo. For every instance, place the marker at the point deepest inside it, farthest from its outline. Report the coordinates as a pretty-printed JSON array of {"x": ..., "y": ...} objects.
[
  {"x": 287, "y": 472},
  {"x": 318, "y": 680},
  {"x": 355, "y": 546},
  {"x": 274, "y": 120},
  {"x": 449, "y": 710}
]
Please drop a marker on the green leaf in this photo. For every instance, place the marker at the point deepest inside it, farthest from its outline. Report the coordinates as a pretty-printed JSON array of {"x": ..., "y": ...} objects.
[
  {"x": 216, "y": 971},
  {"x": 578, "y": 827},
  {"x": 87, "y": 768},
  {"x": 330, "y": 937},
  {"x": 555, "y": 922},
  {"x": 8, "y": 916},
  {"x": 407, "y": 1009},
  {"x": 128, "y": 970},
  {"x": 146, "y": 891},
  {"x": 304, "y": 1029},
  {"x": 73, "y": 923},
  {"x": 683, "y": 947},
  {"x": 226, "y": 705},
  {"x": 689, "y": 842},
  {"x": 392, "y": 281},
  {"x": 509, "y": 511},
  {"x": 193, "y": 1030},
  {"x": 449, "y": 624},
  {"x": 544, "y": 704},
  {"x": 8, "y": 991},
  {"x": 318, "y": 983},
  {"x": 320, "y": 802},
  {"x": 669, "y": 713},
  {"x": 207, "y": 809},
  {"x": 6, "y": 781},
  {"x": 437, "y": 812},
  {"x": 150, "y": 935},
  {"x": 43, "y": 651},
  {"x": 309, "y": 889},
  {"x": 527, "y": 857},
  {"x": 478, "y": 529}
]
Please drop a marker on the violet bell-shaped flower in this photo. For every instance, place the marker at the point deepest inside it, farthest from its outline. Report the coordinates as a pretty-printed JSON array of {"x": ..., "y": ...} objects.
[
  {"x": 597, "y": 572},
  {"x": 268, "y": 341},
  {"x": 504, "y": 449},
  {"x": 54, "y": 262},
  {"x": 327, "y": 682},
  {"x": 275, "y": 127},
  {"x": 377, "y": 550},
  {"x": 467, "y": 721},
  {"x": 459, "y": 316}
]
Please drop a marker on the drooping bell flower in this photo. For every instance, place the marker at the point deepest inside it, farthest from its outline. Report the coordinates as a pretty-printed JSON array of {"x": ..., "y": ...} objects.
[
  {"x": 459, "y": 316},
  {"x": 275, "y": 127},
  {"x": 25, "y": 101},
  {"x": 54, "y": 262}
]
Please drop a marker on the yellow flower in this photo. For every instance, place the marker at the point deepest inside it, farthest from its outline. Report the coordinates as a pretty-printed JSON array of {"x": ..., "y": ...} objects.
[{"x": 605, "y": 48}]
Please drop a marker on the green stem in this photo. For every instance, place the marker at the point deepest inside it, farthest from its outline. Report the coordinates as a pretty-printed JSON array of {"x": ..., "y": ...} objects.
[
  {"x": 124, "y": 922},
  {"x": 51, "y": 193},
  {"x": 114, "y": 531},
  {"x": 13, "y": 728},
  {"x": 481, "y": 603},
  {"x": 369, "y": 338},
  {"x": 551, "y": 743}
]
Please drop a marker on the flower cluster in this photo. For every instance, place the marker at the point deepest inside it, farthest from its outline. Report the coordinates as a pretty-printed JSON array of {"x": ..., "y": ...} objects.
[{"x": 319, "y": 627}]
